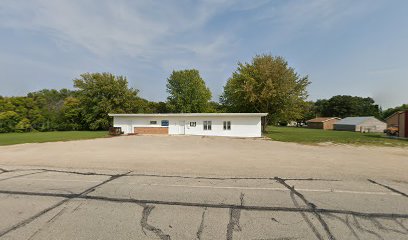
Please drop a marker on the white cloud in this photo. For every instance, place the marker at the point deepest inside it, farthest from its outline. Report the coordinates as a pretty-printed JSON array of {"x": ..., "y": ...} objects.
[
  {"x": 170, "y": 34},
  {"x": 150, "y": 29},
  {"x": 134, "y": 28}
]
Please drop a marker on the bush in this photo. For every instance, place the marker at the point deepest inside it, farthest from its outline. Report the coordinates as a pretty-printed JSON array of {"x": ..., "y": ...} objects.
[{"x": 23, "y": 126}]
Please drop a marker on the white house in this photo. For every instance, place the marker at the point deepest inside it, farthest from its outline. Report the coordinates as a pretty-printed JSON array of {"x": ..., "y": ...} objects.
[{"x": 204, "y": 124}]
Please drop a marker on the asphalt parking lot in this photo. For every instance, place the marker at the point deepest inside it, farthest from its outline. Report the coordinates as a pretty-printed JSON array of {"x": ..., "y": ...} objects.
[{"x": 57, "y": 203}]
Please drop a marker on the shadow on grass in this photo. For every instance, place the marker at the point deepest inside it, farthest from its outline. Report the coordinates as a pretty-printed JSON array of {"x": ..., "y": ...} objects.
[
  {"x": 375, "y": 136},
  {"x": 273, "y": 131}
]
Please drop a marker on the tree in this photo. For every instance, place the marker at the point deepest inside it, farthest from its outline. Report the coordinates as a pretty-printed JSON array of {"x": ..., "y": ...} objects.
[
  {"x": 216, "y": 107},
  {"x": 156, "y": 107},
  {"x": 269, "y": 85},
  {"x": 188, "y": 92},
  {"x": 48, "y": 104},
  {"x": 103, "y": 93},
  {"x": 385, "y": 114},
  {"x": 8, "y": 121},
  {"x": 71, "y": 114},
  {"x": 308, "y": 112},
  {"x": 347, "y": 106}
]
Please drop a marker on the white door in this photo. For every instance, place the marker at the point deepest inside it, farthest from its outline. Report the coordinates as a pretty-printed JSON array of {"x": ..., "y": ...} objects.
[{"x": 182, "y": 127}]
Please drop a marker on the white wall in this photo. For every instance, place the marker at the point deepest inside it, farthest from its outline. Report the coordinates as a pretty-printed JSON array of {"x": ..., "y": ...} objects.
[
  {"x": 241, "y": 126},
  {"x": 372, "y": 125}
]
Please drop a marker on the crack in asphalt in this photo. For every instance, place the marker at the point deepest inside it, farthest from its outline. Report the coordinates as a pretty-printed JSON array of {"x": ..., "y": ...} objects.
[
  {"x": 234, "y": 213},
  {"x": 346, "y": 222},
  {"x": 388, "y": 187},
  {"x": 228, "y": 178},
  {"x": 310, "y": 179},
  {"x": 312, "y": 206},
  {"x": 233, "y": 225},
  {"x": 56, "y": 216},
  {"x": 168, "y": 176},
  {"x": 49, "y": 222},
  {"x": 57, "y": 171},
  {"x": 359, "y": 227},
  {"x": 234, "y": 217},
  {"x": 384, "y": 228},
  {"x": 22, "y": 175},
  {"x": 143, "y": 223},
  {"x": 241, "y": 198},
  {"x": 77, "y": 207},
  {"x": 39, "y": 214},
  {"x": 401, "y": 225},
  {"x": 201, "y": 227},
  {"x": 306, "y": 218},
  {"x": 209, "y": 205},
  {"x": 78, "y": 173}
]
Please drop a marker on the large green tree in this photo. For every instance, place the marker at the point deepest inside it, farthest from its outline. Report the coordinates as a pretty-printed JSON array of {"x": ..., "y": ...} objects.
[
  {"x": 267, "y": 84},
  {"x": 103, "y": 93},
  {"x": 347, "y": 106},
  {"x": 188, "y": 92},
  {"x": 49, "y": 104}
]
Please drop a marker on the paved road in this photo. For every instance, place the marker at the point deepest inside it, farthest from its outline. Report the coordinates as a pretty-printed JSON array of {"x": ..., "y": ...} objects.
[{"x": 78, "y": 204}]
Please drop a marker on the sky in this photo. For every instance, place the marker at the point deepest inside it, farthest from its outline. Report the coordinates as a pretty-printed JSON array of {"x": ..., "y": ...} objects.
[{"x": 346, "y": 47}]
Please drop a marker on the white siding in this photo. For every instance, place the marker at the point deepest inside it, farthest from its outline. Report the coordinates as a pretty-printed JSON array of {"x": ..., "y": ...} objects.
[
  {"x": 369, "y": 125},
  {"x": 372, "y": 125},
  {"x": 241, "y": 126}
]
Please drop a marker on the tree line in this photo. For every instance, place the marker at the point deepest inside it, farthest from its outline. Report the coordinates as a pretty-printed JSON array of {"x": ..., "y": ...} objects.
[{"x": 266, "y": 84}]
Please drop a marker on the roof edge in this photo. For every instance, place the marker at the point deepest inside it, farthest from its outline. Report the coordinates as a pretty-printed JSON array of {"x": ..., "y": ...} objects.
[
  {"x": 327, "y": 119},
  {"x": 399, "y": 112},
  {"x": 183, "y": 114}
]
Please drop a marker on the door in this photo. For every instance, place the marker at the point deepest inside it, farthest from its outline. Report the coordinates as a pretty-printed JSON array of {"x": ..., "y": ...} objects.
[
  {"x": 406, "y": 124},
  {"x": 182, "y": 127}
]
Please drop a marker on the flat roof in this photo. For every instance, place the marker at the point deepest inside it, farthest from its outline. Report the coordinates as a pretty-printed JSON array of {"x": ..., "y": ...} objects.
[{"x": 187, "y": 114}]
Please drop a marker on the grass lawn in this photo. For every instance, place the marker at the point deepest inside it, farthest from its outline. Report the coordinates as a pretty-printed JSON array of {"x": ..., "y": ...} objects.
[
  {"x": 39, "y": 137},
  {"x": 314, "y": 136}
]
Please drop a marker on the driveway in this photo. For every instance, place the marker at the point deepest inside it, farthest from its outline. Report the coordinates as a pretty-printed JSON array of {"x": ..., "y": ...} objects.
[{"x": 155, "y": 188}]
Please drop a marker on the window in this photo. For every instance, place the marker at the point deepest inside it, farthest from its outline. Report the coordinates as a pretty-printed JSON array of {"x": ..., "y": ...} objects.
[
  {"x": 207, "y": 125},
  {"x": 165, "y": 123},
  {"x": 227, "y": 125},
  {"x": 153, "y": 122},
  {"x": 193, "y": 124}
]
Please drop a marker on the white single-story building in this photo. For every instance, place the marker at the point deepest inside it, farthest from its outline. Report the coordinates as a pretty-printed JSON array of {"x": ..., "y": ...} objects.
[{"x": 203, "y": 124}]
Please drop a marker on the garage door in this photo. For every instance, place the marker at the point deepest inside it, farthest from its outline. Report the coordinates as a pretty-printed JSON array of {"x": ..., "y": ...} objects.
[{"x": 151, "y": 130}]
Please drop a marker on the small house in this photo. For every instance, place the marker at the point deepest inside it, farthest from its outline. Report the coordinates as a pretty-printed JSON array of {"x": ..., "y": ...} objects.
[
  {"x": 202, "y": 124},
  {"x": 360, "y": 124},
  {"x": 400, "y": 121},
  {"x": 325, "y": 123}
]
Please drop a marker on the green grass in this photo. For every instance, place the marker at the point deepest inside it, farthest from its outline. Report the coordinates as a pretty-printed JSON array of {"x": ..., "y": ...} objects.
[
  {"x": 315, "y": 136},
  {"x": 39, "y": 137}
]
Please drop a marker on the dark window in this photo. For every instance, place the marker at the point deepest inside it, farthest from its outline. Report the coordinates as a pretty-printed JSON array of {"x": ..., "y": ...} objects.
[
  {"x": 207, "y": 125},
  {"x": 227, "y": 125},
  {"x": 153, "y": 122},
  {"x": 193, "y": 124},
  {"x": 165, "y": 123}
]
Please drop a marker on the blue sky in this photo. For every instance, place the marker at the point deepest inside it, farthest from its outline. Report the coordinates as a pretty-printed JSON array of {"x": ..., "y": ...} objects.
[{"x": 345, "y": 46}]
